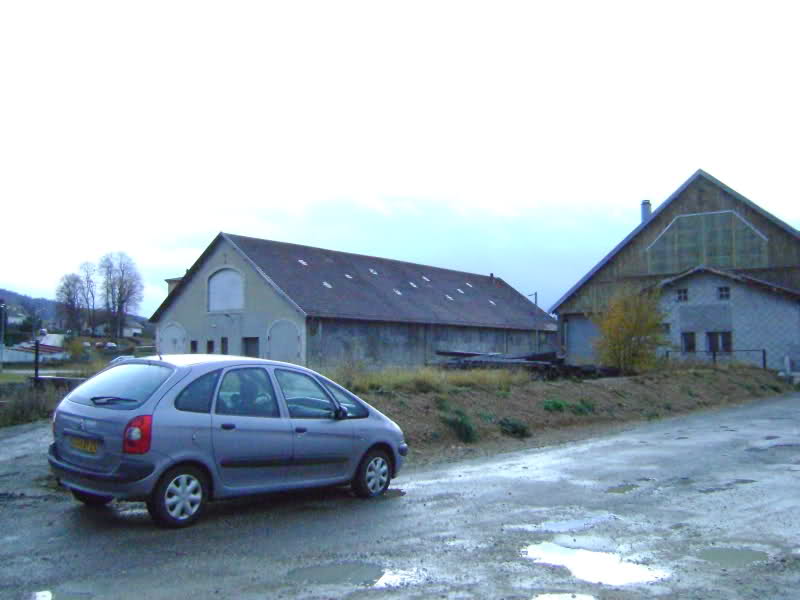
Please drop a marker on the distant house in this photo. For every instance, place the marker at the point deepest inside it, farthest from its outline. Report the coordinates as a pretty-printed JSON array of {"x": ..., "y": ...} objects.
[
  {"x": 728, "y": 271},
  {"x": 322, "y": 308},
  {"x": 131, "y": 328},
  {"x": 15, "y": 315}
]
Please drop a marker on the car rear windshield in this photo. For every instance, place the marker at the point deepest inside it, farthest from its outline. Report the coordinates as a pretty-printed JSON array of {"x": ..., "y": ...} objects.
[{"x": 124, "y": 386}]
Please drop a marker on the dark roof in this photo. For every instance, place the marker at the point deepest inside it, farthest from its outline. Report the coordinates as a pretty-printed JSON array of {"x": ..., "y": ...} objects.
[
  {"x": 327, "y": 283},
  {"x": 745, "y": 279},
  {"x": 697, "y": 175}
]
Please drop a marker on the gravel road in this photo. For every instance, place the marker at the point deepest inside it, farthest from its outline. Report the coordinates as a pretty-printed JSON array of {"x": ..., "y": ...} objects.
[{"x": 699, "y": 506}]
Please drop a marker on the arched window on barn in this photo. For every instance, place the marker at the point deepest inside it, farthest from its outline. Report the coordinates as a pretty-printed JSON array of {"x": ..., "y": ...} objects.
[{"x": 225, "y": 291}]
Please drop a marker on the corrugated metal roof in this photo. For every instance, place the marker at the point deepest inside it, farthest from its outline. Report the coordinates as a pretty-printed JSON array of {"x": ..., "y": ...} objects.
[
  {"x": 697, "y": 175},
  {"x": 328, "y": 283}
]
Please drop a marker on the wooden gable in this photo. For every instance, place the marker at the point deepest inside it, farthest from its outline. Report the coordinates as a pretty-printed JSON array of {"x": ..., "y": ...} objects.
[{"x": 697, "y": 217}]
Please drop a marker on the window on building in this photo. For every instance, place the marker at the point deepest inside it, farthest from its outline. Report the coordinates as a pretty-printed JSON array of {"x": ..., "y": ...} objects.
[
  {"x": 225, "y": 291},
  {"x": 683, "y": 295},
  {"x": 210, "y": 347},
  {"x": 724, "y": 293},
  {"x": 719, "y": 341},
  {"x": 250, "y": 347},
  {"x": 688, "y": 342},
  {"x": 193, "y": 346},
  {"x": 223, "y": 343}
]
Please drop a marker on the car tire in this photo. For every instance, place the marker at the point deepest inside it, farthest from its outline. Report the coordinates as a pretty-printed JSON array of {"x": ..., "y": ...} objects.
[
  {"x": 91, "y": 499},
  {"x": 373, "y": 474},
  {"x": 180, "y": 497}
]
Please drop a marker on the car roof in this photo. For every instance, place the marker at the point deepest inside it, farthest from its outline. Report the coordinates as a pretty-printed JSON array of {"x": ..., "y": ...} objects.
[{"x": 189, "y": 360}]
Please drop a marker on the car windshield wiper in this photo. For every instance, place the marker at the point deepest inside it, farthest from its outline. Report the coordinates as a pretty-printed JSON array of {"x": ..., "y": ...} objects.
[{"x": 110, "y": 399}]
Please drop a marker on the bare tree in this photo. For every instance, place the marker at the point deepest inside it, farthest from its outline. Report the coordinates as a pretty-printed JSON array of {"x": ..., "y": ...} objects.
[
  {"x": 68, "y": 295},
  {"x": 89, "y": 294},
  {"x": 122, "y": 287}
]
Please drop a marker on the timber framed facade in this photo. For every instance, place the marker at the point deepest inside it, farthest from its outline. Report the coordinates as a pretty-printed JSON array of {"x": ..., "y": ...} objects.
[{"x": 702, "y": 224}]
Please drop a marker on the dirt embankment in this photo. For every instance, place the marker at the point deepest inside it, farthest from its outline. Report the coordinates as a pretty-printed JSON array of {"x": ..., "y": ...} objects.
[{"x": 560, "y": 411}]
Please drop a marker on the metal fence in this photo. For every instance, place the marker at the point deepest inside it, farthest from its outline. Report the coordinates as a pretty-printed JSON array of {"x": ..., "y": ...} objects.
[{"x": 715, "y": 356}]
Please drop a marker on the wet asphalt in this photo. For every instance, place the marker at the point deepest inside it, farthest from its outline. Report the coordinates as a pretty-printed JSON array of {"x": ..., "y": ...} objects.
[{"x": 702, "y": 506}]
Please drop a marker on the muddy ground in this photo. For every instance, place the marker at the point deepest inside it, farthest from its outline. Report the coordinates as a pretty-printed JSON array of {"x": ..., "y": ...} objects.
[{"x": 564, "y": 410}]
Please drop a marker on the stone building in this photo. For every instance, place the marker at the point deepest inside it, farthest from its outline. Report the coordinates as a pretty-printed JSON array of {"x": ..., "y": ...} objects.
[
  {"x": 729, "y": 273},
  {"x": 321, "y": 308}
]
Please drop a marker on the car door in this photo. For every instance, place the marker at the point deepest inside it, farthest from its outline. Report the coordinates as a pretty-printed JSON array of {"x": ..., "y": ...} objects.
[
  {"x": 252, "y": 440},
  {"x": 323, "y": 444}
]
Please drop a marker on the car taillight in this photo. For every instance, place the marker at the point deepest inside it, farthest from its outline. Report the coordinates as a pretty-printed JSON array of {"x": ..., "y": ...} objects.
[{"x": 137, "y": 434}]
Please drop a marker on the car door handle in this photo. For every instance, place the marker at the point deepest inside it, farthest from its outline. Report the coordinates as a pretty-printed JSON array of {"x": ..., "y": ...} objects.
[
  {"x": 228, "y": 426},
  {"x": 301, "y": 429}
]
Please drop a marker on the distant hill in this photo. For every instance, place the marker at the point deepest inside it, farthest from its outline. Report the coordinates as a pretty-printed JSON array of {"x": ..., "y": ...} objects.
[{"x": 46, "y": 308}]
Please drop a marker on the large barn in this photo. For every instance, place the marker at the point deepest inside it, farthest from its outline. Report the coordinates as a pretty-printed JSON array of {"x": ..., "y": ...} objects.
[
  {"x": 321, "y": 308},
  {"x": 728, "y": 272}
]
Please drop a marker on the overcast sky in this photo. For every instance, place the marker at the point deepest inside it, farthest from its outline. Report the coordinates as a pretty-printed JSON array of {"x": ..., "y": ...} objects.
[{"x": 517, "y": 138}]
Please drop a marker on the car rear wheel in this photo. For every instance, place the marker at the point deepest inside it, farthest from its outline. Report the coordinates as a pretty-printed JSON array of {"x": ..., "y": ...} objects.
[
  {"x": 91, "y": 499},
  {"x": 180, "y": 497},
  {"x": 373, "y": 475}
]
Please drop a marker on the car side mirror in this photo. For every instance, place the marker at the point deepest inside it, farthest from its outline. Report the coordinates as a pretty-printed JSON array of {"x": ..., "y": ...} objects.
[{"x": 340, "y": 413}]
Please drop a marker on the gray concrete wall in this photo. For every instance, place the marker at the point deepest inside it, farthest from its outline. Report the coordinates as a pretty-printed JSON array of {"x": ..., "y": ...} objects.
[
  {"x": 263, "y": 307},
  {"x": 755, "y": 317},
  {"x": 374, "y": 344}
]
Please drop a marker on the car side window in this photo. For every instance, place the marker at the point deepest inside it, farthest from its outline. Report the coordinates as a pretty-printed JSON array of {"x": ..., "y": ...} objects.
[
  {"x": 196, "y": 397},
  {"x": 355, "y": 410},
  {"x": 247, "y": 392},
  {"x": 305, "y": 398}
]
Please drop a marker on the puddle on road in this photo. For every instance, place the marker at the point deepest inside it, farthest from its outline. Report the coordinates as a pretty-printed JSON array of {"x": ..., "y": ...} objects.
[
  {"x": 565, "y": 526},
  {"x": 622, "y": 489},
  {"x": 595, "y": 567},
  {"x": 732, "y": 558},
  {"x": 727, "y": 486},
  {"x": 777, "y": 453},
  {"x": 48, "y": 595},
  {"x": 563, "y": 597},
  {"x": 355, "y": 573}
]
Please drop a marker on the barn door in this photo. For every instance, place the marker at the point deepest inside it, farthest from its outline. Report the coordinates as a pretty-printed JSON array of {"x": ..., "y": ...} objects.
[
  {"x": 172, "y": 339},
  {"x": 284, "y": 342}
]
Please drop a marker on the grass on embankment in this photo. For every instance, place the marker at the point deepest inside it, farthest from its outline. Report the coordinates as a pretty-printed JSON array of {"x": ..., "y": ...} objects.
[{"x": 438, "y": 408}]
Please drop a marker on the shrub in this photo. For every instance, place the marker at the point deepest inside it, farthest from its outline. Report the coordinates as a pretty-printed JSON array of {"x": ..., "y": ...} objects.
[
  {"x": 487, "y": 417},
  {"x": 554, "y": 405},
  {"x": 514, "y": 427},
  {"x": 630, "y": 331},
  {"x": 583, "y": 407},
  {"x": 442, "y": 403},
  {"x": 461, "y": 424}
]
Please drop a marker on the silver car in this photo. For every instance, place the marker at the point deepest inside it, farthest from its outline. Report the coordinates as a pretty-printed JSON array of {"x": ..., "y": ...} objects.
[{"x": 180, "y": 430}]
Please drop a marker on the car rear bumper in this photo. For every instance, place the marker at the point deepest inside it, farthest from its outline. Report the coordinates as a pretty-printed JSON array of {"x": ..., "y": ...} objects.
[{"x": 132, "y": 478}]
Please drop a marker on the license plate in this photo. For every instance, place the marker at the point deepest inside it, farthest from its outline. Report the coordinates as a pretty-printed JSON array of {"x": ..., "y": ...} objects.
[{"x": 84, "y": 445}]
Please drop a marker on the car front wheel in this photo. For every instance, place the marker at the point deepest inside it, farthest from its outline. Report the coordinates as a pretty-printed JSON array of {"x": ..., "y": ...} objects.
[
  {"x": 373, "y": 475},
  {"x": 180, "y": 497}
]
